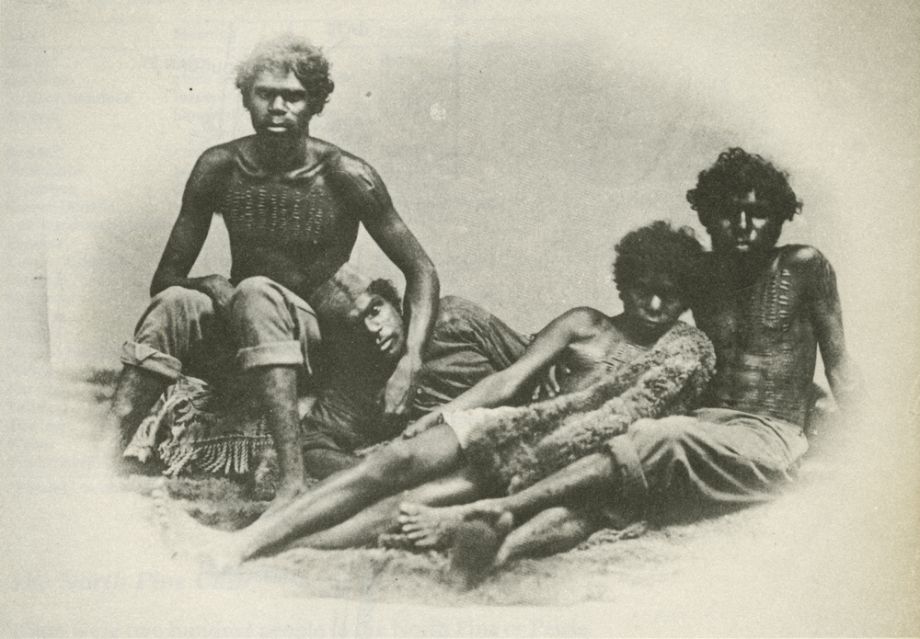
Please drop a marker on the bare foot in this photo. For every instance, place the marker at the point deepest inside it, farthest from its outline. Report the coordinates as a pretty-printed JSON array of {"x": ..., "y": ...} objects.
[
  {"x": 191, "y": 540},
  {"x": 476, "y": 542},
  {"x": 427, "y": 527},
  {"x": 432, "y": 528}
]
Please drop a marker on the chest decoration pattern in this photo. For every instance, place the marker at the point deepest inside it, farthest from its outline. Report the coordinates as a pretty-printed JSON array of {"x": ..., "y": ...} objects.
[
  {"x": 772, "y": 306},
  {"x": 280, "y": 211}
]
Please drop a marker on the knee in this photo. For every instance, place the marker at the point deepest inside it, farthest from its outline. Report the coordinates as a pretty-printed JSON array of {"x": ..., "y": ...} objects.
[
  {"x": 255, "y": 296},
  {"x": 391, "y": 466},
  {"x": 181, "y": 300},
  {"x": 669, "y": 436}
]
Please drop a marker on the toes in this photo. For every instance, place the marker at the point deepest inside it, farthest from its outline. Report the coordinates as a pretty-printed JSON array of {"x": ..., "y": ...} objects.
[{"x": 408, "y": 508}]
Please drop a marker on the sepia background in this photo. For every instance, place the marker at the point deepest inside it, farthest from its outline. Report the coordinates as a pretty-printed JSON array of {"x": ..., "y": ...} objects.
[{"x": 518, "y": 141}]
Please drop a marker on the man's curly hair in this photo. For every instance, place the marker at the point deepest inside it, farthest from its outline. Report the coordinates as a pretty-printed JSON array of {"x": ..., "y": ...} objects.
[
  {"x": 735, "y": 174},
  {"x": 387, "y": 290},
  {"x": 289, "y": 53},
  {"x": 659, "y": 248}
]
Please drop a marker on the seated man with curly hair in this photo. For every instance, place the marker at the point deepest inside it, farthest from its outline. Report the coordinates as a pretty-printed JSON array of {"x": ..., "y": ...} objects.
[
  {"x": 767, "y": 310},
  {"x": 611, "y": 371},
  {"x": 292, "y": 205}
]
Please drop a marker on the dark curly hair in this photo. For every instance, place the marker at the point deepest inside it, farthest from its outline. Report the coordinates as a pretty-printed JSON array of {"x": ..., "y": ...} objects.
[
  {"x": 387, "y": 290},
  {"x": 289, "y": 53},
  {"x": 736, "y": 173},
  {"x": 659, "y": 248}
]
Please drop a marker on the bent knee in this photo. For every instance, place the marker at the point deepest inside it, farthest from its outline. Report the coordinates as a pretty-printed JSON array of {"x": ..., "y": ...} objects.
[
  {"x": 255, "y": 295},
  {"x": 181, "y": 297},
  {"x": 254, "y": 287},
  {"x": 665, "y": 434},
  {"x": 175, "y": 306}
]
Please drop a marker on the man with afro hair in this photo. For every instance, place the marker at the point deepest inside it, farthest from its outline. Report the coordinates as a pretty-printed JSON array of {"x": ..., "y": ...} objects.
[{"x": 768, "y": 309}]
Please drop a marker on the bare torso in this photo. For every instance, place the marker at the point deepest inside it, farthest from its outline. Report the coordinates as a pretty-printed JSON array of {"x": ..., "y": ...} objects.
[
  {"x": 762, "y": 329},
  {"x": 295, "y": 226},
  {"x": 602, "y": 351}
]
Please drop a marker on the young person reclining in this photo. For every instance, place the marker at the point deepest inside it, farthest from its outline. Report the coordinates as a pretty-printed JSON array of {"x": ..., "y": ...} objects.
[
  {"x": 640, "y": 363},
  {"x": 767, "y": 310}
]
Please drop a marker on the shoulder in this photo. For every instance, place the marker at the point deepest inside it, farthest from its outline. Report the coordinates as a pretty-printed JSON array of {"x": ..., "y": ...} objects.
[
  {"x": 451, "y": 306},
  {"x": 344, "y": 164},
  {"x": 582, "y": 319},
  {"x": 802, "y": 256},
  {"x": 221, "y": 156}
]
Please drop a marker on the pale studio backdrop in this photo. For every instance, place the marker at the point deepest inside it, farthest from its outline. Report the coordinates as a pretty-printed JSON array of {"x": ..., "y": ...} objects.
[{"x": 518, "y": 143}]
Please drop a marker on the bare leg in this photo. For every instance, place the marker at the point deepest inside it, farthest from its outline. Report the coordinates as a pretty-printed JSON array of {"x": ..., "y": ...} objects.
[
  {"x": 136, "y": 391},
  {"x": 434, "y": 526},
  {"x": 401, "y": 465},
  {"x": 553, "y": 530},
  {"x": 365, "y": 528},
  {"x": 275, "y": 390},
  {"x": 323, "y": 462},
  {"x": 477, "y": 531}
]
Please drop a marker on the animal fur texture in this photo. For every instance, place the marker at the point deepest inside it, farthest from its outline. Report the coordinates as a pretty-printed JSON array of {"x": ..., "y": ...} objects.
[{"x": 513, "y": 447}]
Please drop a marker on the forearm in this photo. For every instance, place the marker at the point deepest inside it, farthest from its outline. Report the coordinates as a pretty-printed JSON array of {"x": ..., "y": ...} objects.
[
  {"x": 846, "y": 384},
  {"x": 422, "y": 293}
]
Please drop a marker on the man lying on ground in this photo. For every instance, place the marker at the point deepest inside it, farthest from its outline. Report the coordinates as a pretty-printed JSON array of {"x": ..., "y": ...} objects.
[
  {"x": 345, "y": 413},
  {"x": 766, "y": 309},
  {"x": 612, "y": 370},
  {"x": 292, "y": 205}
]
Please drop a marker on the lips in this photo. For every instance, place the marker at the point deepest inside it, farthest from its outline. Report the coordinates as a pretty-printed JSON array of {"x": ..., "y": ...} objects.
[{"x": 384, "y": 344}]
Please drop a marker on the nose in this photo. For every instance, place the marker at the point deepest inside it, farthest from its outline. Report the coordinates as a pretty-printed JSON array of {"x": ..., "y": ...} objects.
[
  {"x": 372, "y": 325},
  {"x": 654, "y": 304},
  {"x": 276, "y": 104},
  {"x": 744, "y": 221}
]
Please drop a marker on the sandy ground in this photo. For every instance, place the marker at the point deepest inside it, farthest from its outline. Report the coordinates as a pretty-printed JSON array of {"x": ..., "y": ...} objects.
[{"x": 837, "y": 555}]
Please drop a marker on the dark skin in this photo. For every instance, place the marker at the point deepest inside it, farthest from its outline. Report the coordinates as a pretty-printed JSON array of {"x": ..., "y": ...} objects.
[
  {"x": 767, "y": 367},
  {"x": 763, "y": 367},
  {"x": 353, "y": 506},
  {"x": 280, "y": 111}
]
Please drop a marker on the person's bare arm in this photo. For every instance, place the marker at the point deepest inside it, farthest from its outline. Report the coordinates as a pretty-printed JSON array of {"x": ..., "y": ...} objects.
[
  {"x": 383, "y": 223},
  {"x": 191, "y": 229},
  {"x": 827, "y": 319},
  {"x": 505, "y": 385}
]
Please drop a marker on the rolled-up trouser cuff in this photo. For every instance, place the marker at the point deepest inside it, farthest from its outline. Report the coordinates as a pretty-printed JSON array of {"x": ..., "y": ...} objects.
[
  {"x": 150, "y": 359},
  {"x": 286, "y": 353},
  {"x": 632, "y": 488}
]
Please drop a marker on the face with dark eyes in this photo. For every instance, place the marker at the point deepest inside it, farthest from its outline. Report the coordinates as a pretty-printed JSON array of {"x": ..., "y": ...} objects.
[
  {"x": 651, "y": 304},
  {"x": 278, "y": 104},
  {"x": 382, "y": 322},
  {"x": 743, "y": 225}
]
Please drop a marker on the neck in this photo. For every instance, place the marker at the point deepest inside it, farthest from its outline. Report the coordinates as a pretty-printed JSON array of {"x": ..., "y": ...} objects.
[
  {"x": 281, "y": 152},
  {"x": 742, "y": 268},
  {"x": 634, "y": 332}
]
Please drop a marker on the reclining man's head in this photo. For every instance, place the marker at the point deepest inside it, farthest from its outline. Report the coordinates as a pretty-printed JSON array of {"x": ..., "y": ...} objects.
[
  {"x": 655, "y": 271},
  {"x": 743, "y": 201},
  {"x": 370, "y": 312}
]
